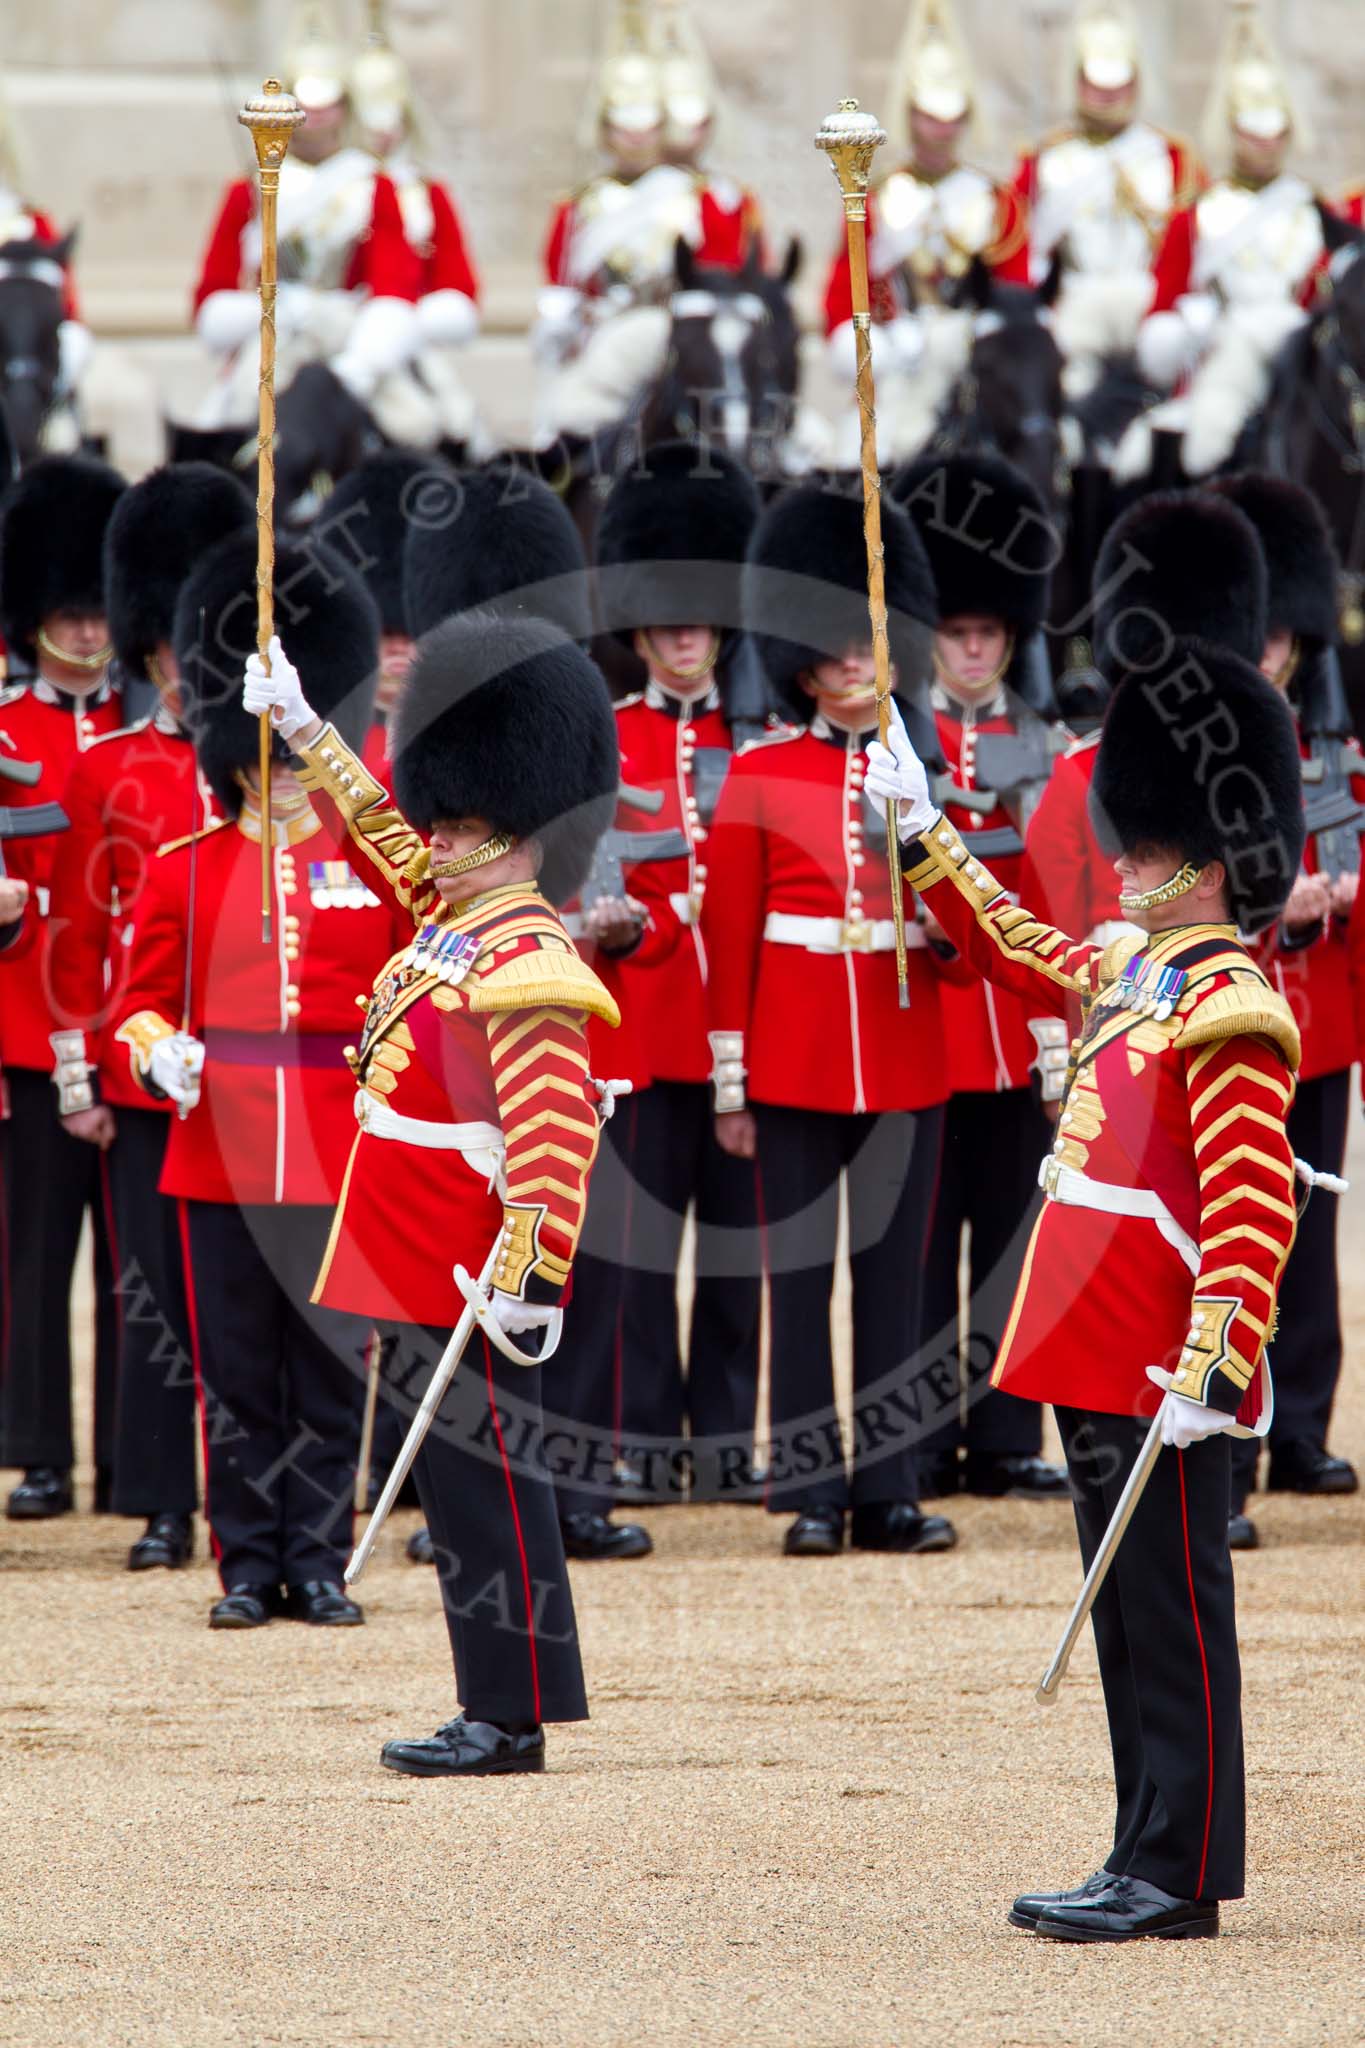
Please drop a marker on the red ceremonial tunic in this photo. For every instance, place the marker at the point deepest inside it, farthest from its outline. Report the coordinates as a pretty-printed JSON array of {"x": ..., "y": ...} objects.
[
  {"x": 126, "y": 796},
  {"x": 274, "y": 1121},
  {"x": 20, "y": 222},
  {"x": 821, "y": 1029},
  {"x": 1222, "y": 243},
  {"x": 1065, "y": 873},
  {"x": 1318, "y": 980},
  {"x": 1102, "y": 197},
  {"x": 40, "y": 723},
  {"x": 729, "y": 225},
  {"x": 381, "y": 261},
  {"x": 442, "y": 251},
  {"x": 1190, "y": 1108},
  {"x": 1000, "y": 236}
]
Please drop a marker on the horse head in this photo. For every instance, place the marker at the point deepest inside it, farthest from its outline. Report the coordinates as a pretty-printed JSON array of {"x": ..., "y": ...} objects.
[
  {"x": 733, "y": 365},
  {"x": 1343, "y": 291},
  {"x": 32, "y": 303},
  {"x": 1009, "y": 398}
]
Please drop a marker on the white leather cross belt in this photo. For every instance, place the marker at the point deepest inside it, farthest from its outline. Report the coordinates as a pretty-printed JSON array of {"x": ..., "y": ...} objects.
[
  {"x": 481, "y": 1144},
  {"x": 838, "y": 934},
  {"x": 1077, "y": 1191}
]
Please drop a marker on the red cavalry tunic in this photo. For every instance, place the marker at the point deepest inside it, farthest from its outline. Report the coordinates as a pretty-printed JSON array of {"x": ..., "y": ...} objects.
[
  {"x": 40, "y": 723},
  {"x": 954, "y": 219},
  {"x": 274, "y": 1121},
  {"x": 728, "y": 228},
  {"x": 820, "y": 1023},
  {"x": 381, "y": 261},
  {"x": 1187, "y": 1108}
]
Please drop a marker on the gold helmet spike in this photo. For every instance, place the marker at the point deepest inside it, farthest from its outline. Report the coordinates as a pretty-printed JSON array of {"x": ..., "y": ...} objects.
[
  {"x": 685, "y": 71},
  {"x": 315, "y": 69},
  {"x": 1106, "y": 45},
  {"x": 933, "y": 72},
  {"x": 1250, "y": 92},
  {"x": 629, "y": 88}
]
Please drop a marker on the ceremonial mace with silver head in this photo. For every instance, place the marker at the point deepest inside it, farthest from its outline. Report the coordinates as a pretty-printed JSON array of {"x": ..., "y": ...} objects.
[
  {"x": 272, "y": 116},
  {"x": 850, "y": 139}
]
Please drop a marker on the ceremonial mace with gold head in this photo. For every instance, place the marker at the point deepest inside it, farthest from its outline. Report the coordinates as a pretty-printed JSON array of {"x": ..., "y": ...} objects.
[
  {"x": 272, "y": 116},
  {"x": 850, "y": 139}
]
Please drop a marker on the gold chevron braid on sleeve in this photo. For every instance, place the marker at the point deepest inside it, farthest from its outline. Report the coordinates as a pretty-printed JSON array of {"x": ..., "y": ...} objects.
[
  {"x": 1248, "y": 1006},
  {"x": 553, "y": 977},
  {"x": 329, "y": 768},
  {"x": 1013, "y": 930}
]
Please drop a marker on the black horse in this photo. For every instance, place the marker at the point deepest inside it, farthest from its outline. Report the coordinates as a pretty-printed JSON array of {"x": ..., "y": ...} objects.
[
  {"x": 321, "y": 433},
  {"x": 32, "y": 304},
  {"x": 1009, "y": 400}
]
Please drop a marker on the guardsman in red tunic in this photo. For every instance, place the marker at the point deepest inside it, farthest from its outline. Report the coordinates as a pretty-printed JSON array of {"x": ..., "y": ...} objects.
[
  {"x": 126, "y": 795},
  {"x": 478, "y": 1124},
  {"x": 53, "y": 618},
  {"x": 1170, "y": 1211},
  {"x": 1144, "y": 594},
  {"x": 1309, "y": 962},
  {"x": 817, "y": 1071},
  {"x": 253, "y": 1062},
  {"x": 670, "y": 549},
  {"x": 991, "y": 547}
]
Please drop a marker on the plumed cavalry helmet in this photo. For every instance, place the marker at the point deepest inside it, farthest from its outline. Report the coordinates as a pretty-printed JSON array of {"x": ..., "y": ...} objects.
[
  {"x": 367, "y": 517},
  {"x": 509, "y": 721},
  {"x": 160, "y": 531},
  {"x": 327, "y": 624},
  {"x": 1201, "y": 755},
  {"x": 52, "y": 526},
  {"x": 1302, "y": 569},
  {"x": 498, "y": 539},
  {"x": 672, "y": 539},
  {"x": 1177, "y": 565},
  {"x": 805, "y": 600},
  {"x": 992, "y": 549}
]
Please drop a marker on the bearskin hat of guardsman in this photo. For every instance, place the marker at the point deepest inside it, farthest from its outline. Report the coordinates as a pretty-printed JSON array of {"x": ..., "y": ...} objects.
[
  {"x": 327, "y": 623},
  {"x": 509, "y": 720},
  {"x": 1302, "y": 568},
  {"x": 161, "y": 530},
  {"x": 52, "y": 526},
  {"x": 496, "y": 539},
  {"x": 805, "y": 601},
  {"x": 1177, "y": 565},
  {"x": 992, "y": 549},
  {"x": 1200, "y": 755},
  {"x": 366, "y": 519}
]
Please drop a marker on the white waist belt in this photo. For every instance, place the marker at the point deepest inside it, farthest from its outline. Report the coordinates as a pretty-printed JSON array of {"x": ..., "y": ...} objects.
[
  {"x": 1077, "y": 1191},
  {"x": 480, "y": 1144},
  {"x": 838, "y": 934}
]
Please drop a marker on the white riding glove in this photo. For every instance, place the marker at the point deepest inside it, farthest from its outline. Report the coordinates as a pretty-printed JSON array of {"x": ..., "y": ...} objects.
[
  {"x": 1185, "y": 1422},
  {"x": 280, "y": 692},
  {"x": 175, "y": 1067},
  {"x": 895, "y": 774},
  {"x": 516, "y": 1317}
]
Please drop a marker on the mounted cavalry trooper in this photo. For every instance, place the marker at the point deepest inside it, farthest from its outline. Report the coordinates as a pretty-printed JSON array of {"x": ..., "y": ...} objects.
[
  {"x": 478, "y": 1123},
  {"x": 991, "y": 548}
]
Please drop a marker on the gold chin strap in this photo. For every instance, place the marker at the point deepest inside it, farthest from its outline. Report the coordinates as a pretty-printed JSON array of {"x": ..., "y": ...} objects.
[
  {"x": 1180, "y": 884},
  {"x": 91, "y": 663},
  {"x": 683, "y": 675},
  {"x": 953, "y": 684},
  {"x": 1283, "y": 677},
  {"x": 491, "y": 849}
]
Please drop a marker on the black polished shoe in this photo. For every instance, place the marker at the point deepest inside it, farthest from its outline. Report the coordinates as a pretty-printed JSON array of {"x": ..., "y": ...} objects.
[
  {"x": 1305, "y": 1467},
  {"x": 43, "y": 1491},
  {"x": 589, "y": 1535},
  {"x": 819, "y": 1532},
  {"x": 102, "y": 1500},
  {"x": 1129, "y": 1909},
  {"x": 940, "y": 1477},
  {"x": 1243, "y": 1533},
  {"x": 467, "y": 1749},
  {"x": 167, "y": 1543},
  {"x": 1028, "y": 1907},
  {"x": 323, "y": 1603},
  {"x": 245, "y": 1607},
  {"x": 420, "y": 1549},
  {"x": 899, "y": 1525},
  {"x": 1015, "y": 1479}
]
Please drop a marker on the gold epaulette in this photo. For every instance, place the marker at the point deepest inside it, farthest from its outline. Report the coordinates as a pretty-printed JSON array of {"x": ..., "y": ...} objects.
[
  {"x": 214, "y": 825},
  {"x": 552, "y": 976},
  {"x": 627, "y": 703},
  {"x": 1118, "y": 953},
  {"x": 776, "y": 738},
  {"x": 11, "y": 693},
  {"x": 1246, "y": 1005},
  {"x": 122, "y": 732}
]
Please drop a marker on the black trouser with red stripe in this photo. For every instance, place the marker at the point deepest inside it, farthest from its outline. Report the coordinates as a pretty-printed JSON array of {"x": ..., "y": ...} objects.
[
  {"x": 1166, "y": 1636},
  {"x": 988, "y": 1185},
  {"x": 54, "y": 1180},
  {"x": 155, "y": 1419},
  {"x": 489, "y": 1503},
  {"x": 282, "y": 1385},
  {"x": 583, "y": 1381}
]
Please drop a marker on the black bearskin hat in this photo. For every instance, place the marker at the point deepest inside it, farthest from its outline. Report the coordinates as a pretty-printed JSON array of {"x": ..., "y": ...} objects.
[
  {"x": 367, "y": 517},
  {"x": 509, "y": 720},
  {"x": 160, "y": 531},
  {"x": 52, "y": 528},
  {"x": 496, "y": 538},
  {"x": 805, "y": 599},
  {"x": 672, "y": 540},
  {"x": 327, "y": 624},
  {"x": 1178, "y": 565},
  {"x": 1301, "y": 563},
  {"x": 1201, "y": 755}
]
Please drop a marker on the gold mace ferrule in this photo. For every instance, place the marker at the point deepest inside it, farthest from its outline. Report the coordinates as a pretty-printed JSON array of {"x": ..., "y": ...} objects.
[{"x": 271, "y": 118}]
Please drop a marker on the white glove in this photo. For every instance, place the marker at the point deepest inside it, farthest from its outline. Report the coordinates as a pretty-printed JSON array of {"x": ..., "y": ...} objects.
[
  {"x": 447, "y": 319},
  {"x": 295, "y": 308},
  {"x": 903, "y": 340},
  {"x": 559, "y": 320},
  {"x": 227, "y": 321},
  {"x": 175, "y": 1067},
  {"x": 280, "y": 693},
  {"x": 382, "y": 340},
  {"x": 1185, "y": 1422},
  {"x": 516, "y": 1317},
  {"x": 896, "y": 774}
]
